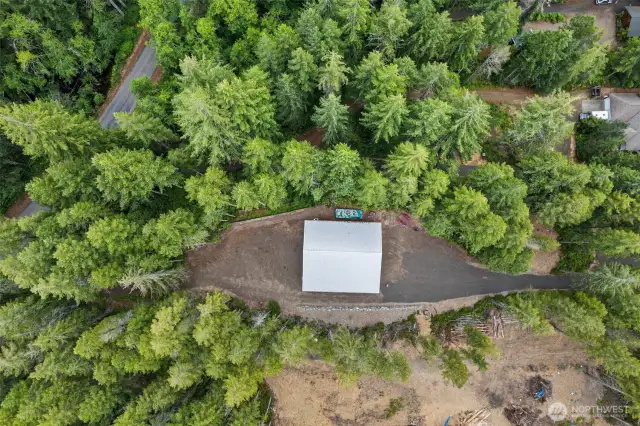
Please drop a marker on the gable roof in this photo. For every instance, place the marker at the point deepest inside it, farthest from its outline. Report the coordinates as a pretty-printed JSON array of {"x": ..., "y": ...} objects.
[
  {"x": 342, "y": 257},
  {"x": 634, "y": 11},
  {"x": 626, "y": 107},
  {"x": 634, "y": 25}
]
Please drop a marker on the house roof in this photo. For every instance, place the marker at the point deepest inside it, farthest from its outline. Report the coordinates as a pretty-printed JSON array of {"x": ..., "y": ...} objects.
[
  {"x": 590, "y": 105},
  {"x": 626, "y": 107},
  {"x": 634, "y": 11},
  {"x": 634, "y": 26},
  {"x": 341, "y": 257}
]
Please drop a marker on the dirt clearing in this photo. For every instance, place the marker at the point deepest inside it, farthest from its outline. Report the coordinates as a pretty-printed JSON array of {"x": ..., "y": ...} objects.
[
  {"x": 311, "y": 395},
  {"x": 261, "y": 260},
  {"x": 543, "y": 262}
]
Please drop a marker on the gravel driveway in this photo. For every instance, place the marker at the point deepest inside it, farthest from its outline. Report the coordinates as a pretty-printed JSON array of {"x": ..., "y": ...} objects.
[{"x": 435, "y": 270}]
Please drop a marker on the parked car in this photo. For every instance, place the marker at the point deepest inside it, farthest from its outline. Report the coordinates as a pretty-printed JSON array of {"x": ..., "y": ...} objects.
[
  {"x": 348, "y": 214},
  {"x": 603, "y": 2}
]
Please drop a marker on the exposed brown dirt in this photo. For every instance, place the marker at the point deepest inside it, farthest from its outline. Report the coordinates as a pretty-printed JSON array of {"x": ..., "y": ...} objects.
[
  {"x": 476, "y": 160},
  {"x": 313, "y": 136},
  {"x": 261, "y": 260},
  {"x": 157, "y": 74},
  {"x": 311, "y": 395},
  {"x": 16, "y": 208},
  {"x": 267, "y": 251},
  {"x": 544, "y": 261},
  {"x": 499, "y": 96}
]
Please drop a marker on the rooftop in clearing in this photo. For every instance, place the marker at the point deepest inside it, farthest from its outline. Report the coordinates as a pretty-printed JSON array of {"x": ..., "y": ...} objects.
[{"x": 342, "y": 257}]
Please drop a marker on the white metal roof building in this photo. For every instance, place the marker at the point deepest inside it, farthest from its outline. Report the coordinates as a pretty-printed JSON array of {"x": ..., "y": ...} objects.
[{"x": 342, "y": 257}]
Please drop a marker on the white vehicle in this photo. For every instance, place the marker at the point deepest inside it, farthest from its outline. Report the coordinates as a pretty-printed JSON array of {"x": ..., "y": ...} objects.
[{"x": 602, "y": 2}]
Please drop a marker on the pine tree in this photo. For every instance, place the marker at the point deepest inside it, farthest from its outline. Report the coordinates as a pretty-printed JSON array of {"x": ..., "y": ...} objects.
[
  {"x": 131, "y": 176},
  {"x": 343, "y": 165},
  {"x": 431, "y": 33},
  {"x": 373, "y": 190},
  {"x": 291, "y": 102},
  {"x": 144, "y": 128},
  {"x": 478, "y": 226},
  {"x": 385, "y": 118},
  {"x": 502, "y": 23},
  {"x": 388, "y": 27},
  {"x": 355, "y": 17},
  {"x": 332, "y": 116},
  {"x": 625, "y": 63},
  {"x": 468, "y": 37},
  {"x": 244, "y": 196},
  {"x": 529, "y": 314},
  {"x": 64, "y": 183},
  {"x": 428, "y": 121},
  {"x": 270, "y": 189},
  {"x": 453, "y": 368},
  {"x": 333, "y": 74},
  {"x": 210, "y": 191},
  {"x": 303, "y": 68},
  {"x": 173, "y": 232},
  {"x": 469, "y": 126},
  {"x": 408, "y": 159},
  {"x": 220, "y": 118},
  {"x": 616, "y": 242},
  {"x": 259, "y": 156},
  {"x": 46, "y": 129},
  {"x": 274, "y": 47},
  {"x": 292, "y": 345},
  {"x": 375, "y": 80},
  {"x": 156, "y": 283},
  {"x": 402, "y": 190},
  {"x": 542, "y": 123},
  {"x": 301, "y": 166},
  {"x": 434, "y": 79}
]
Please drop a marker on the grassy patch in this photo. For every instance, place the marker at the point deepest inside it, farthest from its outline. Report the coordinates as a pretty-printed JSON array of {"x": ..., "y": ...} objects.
[
  {"x": 129, "y": 37},
  {"x": 552, "y": 17},
  {"x": 574, "y": 258},
  {"x": 395, "y": 405}
]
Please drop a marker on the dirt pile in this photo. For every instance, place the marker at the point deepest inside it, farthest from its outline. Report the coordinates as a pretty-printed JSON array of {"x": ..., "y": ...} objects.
[
  {"x": 539, "y": 388},
  {"x": 519, "y": 415}
]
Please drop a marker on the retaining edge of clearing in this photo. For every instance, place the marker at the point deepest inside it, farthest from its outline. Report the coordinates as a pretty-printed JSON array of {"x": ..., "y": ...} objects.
[
  {"x": 373, "y": 307},
  {"x": 432, "y": 308},
  {"x": 242, "y": 223}
]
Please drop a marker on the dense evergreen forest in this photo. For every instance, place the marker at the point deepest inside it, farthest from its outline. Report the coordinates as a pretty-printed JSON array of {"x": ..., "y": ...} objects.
[
  {"x": 389, "y": 85},
  {"x": 68, "y": 51}
]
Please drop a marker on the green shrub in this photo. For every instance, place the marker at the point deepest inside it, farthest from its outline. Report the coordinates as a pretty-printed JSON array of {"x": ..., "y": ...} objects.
[
  {"x": 552, "y": 17},
  {"x": 431, "y": 348},
  {"x": 574, "y": 258},
  {"x": 622, "y": 32},
  {"x": 395, "y": 405},
  {"x": 129, "y": 37},
  {"x": 506, "y": 261},
  {"x": 274, "y": 308},
  {"x": 544, "y": 243}
]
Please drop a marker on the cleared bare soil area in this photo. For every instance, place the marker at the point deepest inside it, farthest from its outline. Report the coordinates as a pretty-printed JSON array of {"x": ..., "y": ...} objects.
[
  {"x": 319, "y": 400},
  {"x": 261, "y": 260}
]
